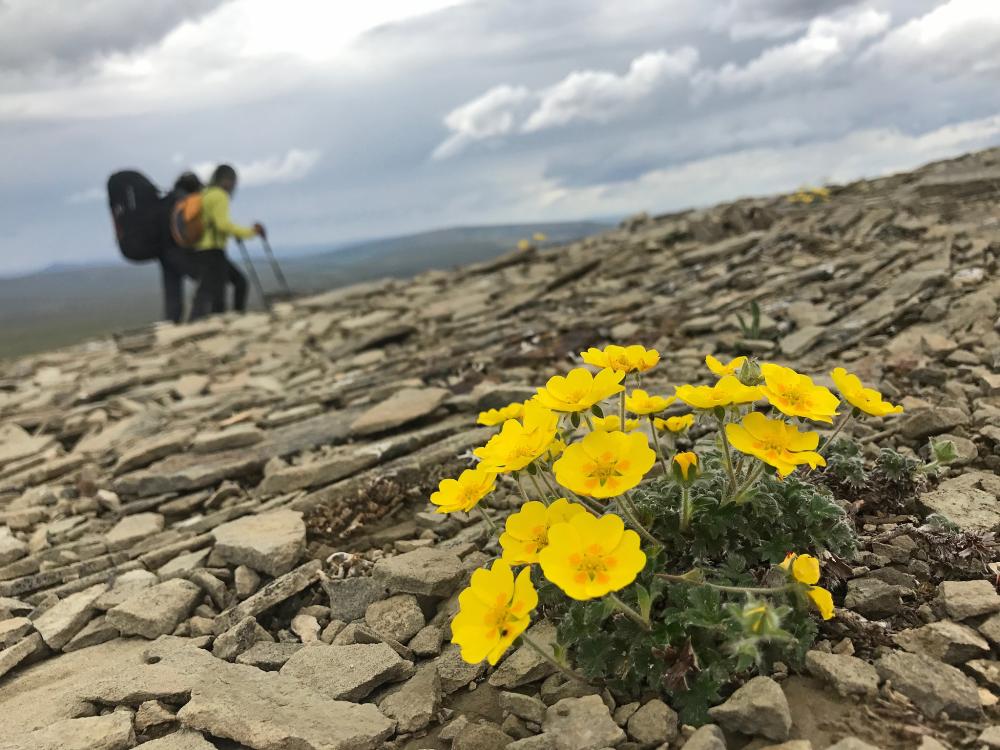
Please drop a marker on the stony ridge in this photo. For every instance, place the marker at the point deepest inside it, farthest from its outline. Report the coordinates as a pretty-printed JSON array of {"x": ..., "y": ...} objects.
[{"x": 220, "y": 530}]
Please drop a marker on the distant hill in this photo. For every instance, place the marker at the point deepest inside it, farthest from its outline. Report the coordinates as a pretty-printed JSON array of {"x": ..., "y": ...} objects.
[{"x": 64, "y": 304}]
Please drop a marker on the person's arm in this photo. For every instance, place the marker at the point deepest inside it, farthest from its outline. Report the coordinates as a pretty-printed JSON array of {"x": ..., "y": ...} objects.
[{"x": 218, "y": 218}]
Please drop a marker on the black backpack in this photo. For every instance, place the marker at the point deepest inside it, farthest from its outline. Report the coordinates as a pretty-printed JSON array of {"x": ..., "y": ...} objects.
[{"x": 140, "y": 213}]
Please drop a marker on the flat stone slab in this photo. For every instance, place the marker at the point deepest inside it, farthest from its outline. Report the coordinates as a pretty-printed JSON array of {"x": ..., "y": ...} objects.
[
  {"x": 133, "y": 529},
  {"x": 65, "y": 619},
  {"x": 239, "y": 436},
  {"x": 403, "y": 407},
  {"x": 157, "y": 610},
  {"x": 273, "y": 593},
  {"x": 932, "y": 685},
  {"x": 270, "y": 543},
  {"x": 109, "y": 732},
  {"x": 347, "y": 672},
  {"x": 428, "y": 571},
  {"x": 317, "y": 473}
]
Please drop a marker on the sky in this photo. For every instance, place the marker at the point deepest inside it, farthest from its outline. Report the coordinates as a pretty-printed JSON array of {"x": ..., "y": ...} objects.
[{"x": 358, "y": 120}]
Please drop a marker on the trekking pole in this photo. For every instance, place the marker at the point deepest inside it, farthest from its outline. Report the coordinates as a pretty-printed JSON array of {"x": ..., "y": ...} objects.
[
  {"x": 253, "y": 274},
  {"x": 274, "y": 265}
]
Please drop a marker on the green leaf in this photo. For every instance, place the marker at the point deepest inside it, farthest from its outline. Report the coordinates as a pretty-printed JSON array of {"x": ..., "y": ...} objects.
[
  {"x": 597, "y": 411},
  {"x": 644, "y": 599}
]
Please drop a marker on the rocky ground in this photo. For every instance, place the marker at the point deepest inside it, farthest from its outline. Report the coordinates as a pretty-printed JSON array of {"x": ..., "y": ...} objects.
[{"x": 217, "y": 535}]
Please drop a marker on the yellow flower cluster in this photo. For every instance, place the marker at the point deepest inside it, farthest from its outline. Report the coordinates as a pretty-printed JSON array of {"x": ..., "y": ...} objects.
[{"x": 805, "y": 569}]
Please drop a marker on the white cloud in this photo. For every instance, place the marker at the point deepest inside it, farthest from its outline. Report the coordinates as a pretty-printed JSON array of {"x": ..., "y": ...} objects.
[
  {"x": 599, "y": 96},
  {"x": 960, "y": 36},
  {"x": 828, "y": 40},
  {"x": 487, "y": 116},
  {"x": 292, "y": 167},
  {"x": 90, "y": 195}
]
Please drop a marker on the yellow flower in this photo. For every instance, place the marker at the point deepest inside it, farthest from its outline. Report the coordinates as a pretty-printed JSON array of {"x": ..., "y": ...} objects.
[
  {"x": 867, "y": 400},
  {"x": 674, "y": 424},
  {"x": 622, "y": 358},
  {"x": 492, "y": 612},
  {"x": 720, "y": 369},
  {"x": 774, "y": 442},
  {"x": 805, "y": 569},
  {"x": 589, "y": 557},
  {"x": 579, "y": 390},
  {"x": 519, "y": 442},
  {"x": 499, "y": 416},
  {"x": 539, "y": 237},
  {"x": 612, "y": 423},
  {"x": 796, "y": 395},
  {"x": 527, "y": 531},
  {"x": 640, "y": 402},
  {"x": 605, "y": 464},
  {"x": 726, "y": 392},
  {"x": 556, "y": 447},
  {"x": 465, "y": 492},
  {"x": 685, "y": 461},
  {"x": 523, "y": 244}
]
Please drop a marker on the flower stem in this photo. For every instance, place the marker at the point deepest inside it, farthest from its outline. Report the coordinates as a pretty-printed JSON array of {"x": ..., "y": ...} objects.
[
  {"x": 731, "y": 589},
  {"x": 687, "y": 508},
  {"x": 520, "y": 486},
  {"x": 538, "y": 489},
  {"x": 590, "y": 424},
  {"x": 829, "y": 441},
  {"x": 628, "y": 509},
  {"x": 751, "y": 479},
  {"x": 572, "y": 674},
  {"x": 621, "y": 410},
  {"x": 656, "y": 444},
  {"x": 727, "y": 460},
  {"x": 489, "y": 521},
  {"x": 629, "y": 612}
]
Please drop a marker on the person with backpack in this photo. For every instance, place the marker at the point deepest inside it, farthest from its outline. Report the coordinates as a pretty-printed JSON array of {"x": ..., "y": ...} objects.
[
  {"x": 215, "y": 269},
  {"x": 176, "y": 261}
]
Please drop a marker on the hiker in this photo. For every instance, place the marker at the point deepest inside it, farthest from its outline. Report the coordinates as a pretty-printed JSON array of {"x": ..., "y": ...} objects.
[
  {"x": 177, "y": 262},
  {"x": 214, "y": 268}
]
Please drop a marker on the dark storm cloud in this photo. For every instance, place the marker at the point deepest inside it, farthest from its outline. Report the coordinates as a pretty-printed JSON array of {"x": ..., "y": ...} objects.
[{"x": 39, "y": 32}]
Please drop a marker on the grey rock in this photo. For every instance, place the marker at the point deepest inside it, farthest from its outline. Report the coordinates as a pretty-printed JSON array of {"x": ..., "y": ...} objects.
[
  {"x": 427, "y": 642},
  {"x": 14, "y": 629},
  {"x": 965, "y": 599},
  {"x": 11, "y": 548},
  {"x": 124, "y": 587},
  {"x": 247, "y": 582},
  {"x": 346, "y": 672},
  {"x": 153, "y": 449},
  {"x": 109, "y": 732},
  {"x": 61, "y": 622},
  {"x": 236, "y": 640},
  {"x": 405, "y": 406},
  {"x": 239, "y": 436},
  {"x": 454, "y": 671},
  {"x": 22, "y": 650},
  {"x": 152, "y": 714},
  {"x": 398, "y": 617},
  {"x": 183, "y": 565},
  {"x": 273, "y": 593},
  {"x": 133, "y": 529},
  {"x": 481, "y": 736},
  {"x": 94, "y": 632},
  {"x": 157, "y": 610},
  {"x": 351, "y": 597},
  {"x": 268, "y": 656},
  {"x": 582, "y": 724},
  {"x": 429, "y": 571},
  {"x": 757, "y": 708},
  {"x": 931, "y": 685},
  {"x": 525, "y": 665},
  {"x": 316, "y": 474},
  {"x": 852, "y": 743},
  {"x": 306, "y": 627},
  {"x": 653, "y": 724},
  {"x": 271, "y": 543},
  {"x": 873, "y": 597},
  {"x": 415, "y": 704},
  {"x": 526, "y": 707},
  {"x": 848, "y": 675},
  {"x": 185, "y": 739},
  {"x": 706, "y": 737},
  {"x": 990, "y": 737},
  {"x": 923, "y": 423},
  {"x": 945, "y": 641}
]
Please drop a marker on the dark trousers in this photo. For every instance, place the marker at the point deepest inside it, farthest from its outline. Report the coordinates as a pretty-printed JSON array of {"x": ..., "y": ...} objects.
[
  {"x": 214, "y": 272},
  {"x": 175, "y": 263}
]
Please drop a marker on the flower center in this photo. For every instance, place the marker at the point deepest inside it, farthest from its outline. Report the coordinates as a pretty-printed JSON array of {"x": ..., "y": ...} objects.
[
  {"x": 592, "y": 564},
  {"x": 499, "y": 618},
  {"x": 605, "y": 468}
]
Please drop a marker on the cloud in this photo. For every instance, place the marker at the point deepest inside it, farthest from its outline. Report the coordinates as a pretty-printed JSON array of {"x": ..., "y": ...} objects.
[
  {"x": 958, "y": 37},
  {"x": 599, "y": 96},
  {"x": 31, "y": 35},
  {"x": 487, "y": 116},
  {"x": 828, "y": 40},
  {"x": 90, "y": 195},
  {"x": 295, "y": 165}
]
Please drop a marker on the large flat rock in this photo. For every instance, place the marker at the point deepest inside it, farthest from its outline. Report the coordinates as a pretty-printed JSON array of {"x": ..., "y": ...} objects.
[
  {"x": 403, "y": 407},
  {"x": 270, "y": 543}
]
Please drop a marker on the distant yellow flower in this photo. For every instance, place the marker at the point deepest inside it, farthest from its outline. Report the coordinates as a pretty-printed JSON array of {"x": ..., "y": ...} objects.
[
  {"x": 805, "y": 569},
  {"x": 685, "y": 461},
  {"x": 523, "y": 244},
  {"x": 539, "y": 237},
  {"x": 492, "y": 612},
  {"x": 640, "y": 402},
  {"x": 588, "y": 557},
  {"x": 527, "y": 531},
  {"x": 867, "y": 400},
  {"x": 556, "y": 447},
  {"x": 579, "y": 390},
  {"x": 728, "y": 391},
  {"x": 612, "y": 423},
  {"x": 622, "y": 358},
  {"x": 519, "y": 442},
  {"x": 796, "y": 395},
  {"x": 605, "y": 464},
  {"x": 674, "y": 424},
  {"x": 775, "y": 442},
  {"x": 720, "y": 369},
  {"x": 494, "y": 417},
  {"x": 465, "y": 492}
]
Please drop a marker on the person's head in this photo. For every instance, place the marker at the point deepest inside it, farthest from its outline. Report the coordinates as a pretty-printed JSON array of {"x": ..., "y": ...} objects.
[
  {"x": 224, "y": 177},
  {"x": 188, "y": 182}
]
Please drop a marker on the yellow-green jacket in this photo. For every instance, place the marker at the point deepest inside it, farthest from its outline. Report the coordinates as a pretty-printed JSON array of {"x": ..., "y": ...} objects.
[{"x": 218, "y": 226}]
